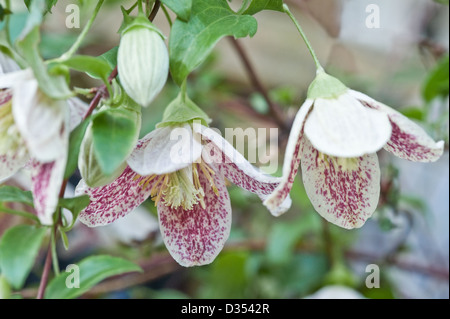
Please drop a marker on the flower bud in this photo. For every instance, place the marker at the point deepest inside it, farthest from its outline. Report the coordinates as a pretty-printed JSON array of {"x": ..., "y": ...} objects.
[
  {"x": 88, "y": 165},
  {"x": 143, "y": 62}
]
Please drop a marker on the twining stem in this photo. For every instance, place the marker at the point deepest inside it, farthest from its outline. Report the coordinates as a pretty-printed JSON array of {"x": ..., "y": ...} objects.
[
  {"x": 83, "y": 33},
  {"x": 155, "y": 10},
  {"x": 166, "y": 13},
  {"x": 274, "y": 109},
  {"x": 305, "y": 39},
  {"x": 45, "y": 273}
]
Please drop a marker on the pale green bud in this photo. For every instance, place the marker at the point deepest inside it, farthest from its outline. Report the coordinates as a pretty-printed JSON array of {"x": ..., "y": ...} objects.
[
  {"x": 143, "y": 61},
  {"x": 88, "y": 165}
]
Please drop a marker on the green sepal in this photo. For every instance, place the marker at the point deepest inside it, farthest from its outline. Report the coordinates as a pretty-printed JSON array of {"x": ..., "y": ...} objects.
[
  {"x": 140, "y": 21},
  {"x": 183, "y": 110},
  {"x": 325, "y": 86}
]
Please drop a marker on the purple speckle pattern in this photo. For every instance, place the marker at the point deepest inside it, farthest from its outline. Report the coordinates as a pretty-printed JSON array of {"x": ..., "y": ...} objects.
[
  {"x": 412, "y": 147},
  {"x": 45, "y": 198},
  {"x": 346, "y": 197},
  {"x": 195, "y": 237},
  {"x": 408, "y": 140},
  {"x": 115, "y": 200}
]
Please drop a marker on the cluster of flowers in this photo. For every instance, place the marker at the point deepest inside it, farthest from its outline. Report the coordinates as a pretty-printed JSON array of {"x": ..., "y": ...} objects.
[{"x": 335, "y": 137}]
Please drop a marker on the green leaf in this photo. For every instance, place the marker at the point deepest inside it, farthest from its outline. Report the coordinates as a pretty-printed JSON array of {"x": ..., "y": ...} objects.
[
  {"x": 5, "y": 288},
  {"x": 191, "y": 42},
  {"x": 110, "y": 57},
  {"x": 15, "y": 195},
  {"x": 91, "y": 270},
  {"x": 260, "y": 5},
  {"x": 48, "y": 4},
  {"x": 95, "y": 67},
  {"x": 3, "y": 12},
  {"x": 182, "y": 8},
  {"x": 76, "y": 137},
  {"x": 115, "y": 134},
  {"x": 442, "y": 1},
  {"x": 75, "y": 205},
  {"x": 53, "y": 86},
  {"x": 19, "y": 247},
  {"x": 437, "y": 83}
]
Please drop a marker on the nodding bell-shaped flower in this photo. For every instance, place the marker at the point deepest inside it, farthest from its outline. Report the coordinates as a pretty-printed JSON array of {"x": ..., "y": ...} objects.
[
  {"x": 182, "y": 167},
  {"x": 142, "y": 61},
  {"x": 335, "y": 137},
  {"x": 34, "y": 132}
]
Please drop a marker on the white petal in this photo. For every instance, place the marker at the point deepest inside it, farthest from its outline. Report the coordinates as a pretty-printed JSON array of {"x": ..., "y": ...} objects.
[
  {"x": 46, "y": 180},
  {"x": 7, "y": 64},
  {"x": 344, "y": 127},
  {"x": 78, "y": 109},
  {"x": 343, "y": 191},
  {"x": 237, "y": 169},
  {"x": 195, "y": 237},
  {"x": 165, "y": 150},
  {"x": 40, "y": 120},
  {"x": 113, "y": 201},
  {"x": 408, "y": 141},
  {"x": 14, "y": 79},
  {"x": 10, "y": 164},
  {"x": 292, "y": 158}
]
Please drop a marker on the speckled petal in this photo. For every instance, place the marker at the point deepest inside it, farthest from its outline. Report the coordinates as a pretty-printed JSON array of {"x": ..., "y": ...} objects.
[
  {"x": 46, "y": 181},
  {"x": 344, "y": 193},
  {"x": 110, "y": 202},
  {"x": 292, "y": 158},
  {"x": 9, "y": 165},
  {"x": 237, "y": 169},
  {"x": 165, "y": 150},
  {"x": 408, "y": 141},
  {"x": 344, "y": 127},
  {"x": 195, "y": 237}
]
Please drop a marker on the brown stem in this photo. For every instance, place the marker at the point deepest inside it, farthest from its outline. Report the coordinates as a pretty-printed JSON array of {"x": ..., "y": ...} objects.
[
  {"x": 155, "y": 9},
  {"x": 274, "y": 109},
  {"x": 45, "y": 273}
]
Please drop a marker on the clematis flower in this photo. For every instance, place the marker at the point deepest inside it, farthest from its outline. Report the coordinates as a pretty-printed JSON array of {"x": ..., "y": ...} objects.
[
  {"x": 186, "y": 179},
  {"x": 34, "y": 132},
  {"x": 335, "y": 137}
]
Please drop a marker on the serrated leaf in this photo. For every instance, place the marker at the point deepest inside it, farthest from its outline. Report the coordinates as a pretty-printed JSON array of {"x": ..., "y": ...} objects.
[
  {"x": 115, "y": 133},
  {"x": 19, "y": 247},
  {"x": 260, "y": 5},
  {"x": 437, "y": 84},
  {"x": 95, "y": 67},
  {"x": 91, "y": 270},
  {"x": 12, "y": 194},
  {"x": 76, "y": 137},
  {"x": 182, "y": 8},
  {"x": 191, "y": 42}
]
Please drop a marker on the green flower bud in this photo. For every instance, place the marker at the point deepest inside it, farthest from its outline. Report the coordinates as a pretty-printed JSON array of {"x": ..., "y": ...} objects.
[
  {"x": 143, "y": 61},
  {"x": 89, "y": 167}
]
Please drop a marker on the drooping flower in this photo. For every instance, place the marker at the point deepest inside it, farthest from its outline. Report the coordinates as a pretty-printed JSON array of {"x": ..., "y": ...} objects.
[
  {"x": 335, "y": 137},
  {"x": 34, "y": 132},
  {"x": 186, "y": 179}
]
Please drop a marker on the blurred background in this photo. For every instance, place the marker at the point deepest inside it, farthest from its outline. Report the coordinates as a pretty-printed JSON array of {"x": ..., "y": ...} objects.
[{"x": 400, "y": 59}]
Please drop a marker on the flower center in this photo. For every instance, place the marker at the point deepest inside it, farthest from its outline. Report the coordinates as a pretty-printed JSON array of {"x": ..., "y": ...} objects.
[
  {"x": 344, "y": 163},
  {"x": 11, "y": 142},
  {"x": 181, "y": 188}
]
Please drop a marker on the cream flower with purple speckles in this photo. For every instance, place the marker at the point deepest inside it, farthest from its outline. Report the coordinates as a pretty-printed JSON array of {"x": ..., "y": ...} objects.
[
  {"x": 335, "y": 137},
  {"x": 186, "y": 179},
  {"x": 34, "y": 130}
]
